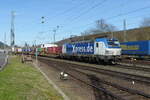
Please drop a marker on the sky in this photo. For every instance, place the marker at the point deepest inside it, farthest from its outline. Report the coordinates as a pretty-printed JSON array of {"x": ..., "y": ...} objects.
[{"x": 72, "y": 17}]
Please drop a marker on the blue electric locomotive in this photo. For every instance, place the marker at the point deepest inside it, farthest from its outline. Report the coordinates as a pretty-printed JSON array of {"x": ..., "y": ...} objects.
[{"x": 101, "y": 49}]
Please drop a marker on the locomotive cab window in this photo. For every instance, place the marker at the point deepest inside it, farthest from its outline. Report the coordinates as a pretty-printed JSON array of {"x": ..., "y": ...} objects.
[
  {"x": 113, "y": 43},
  {"x": 97, "y": 45}
]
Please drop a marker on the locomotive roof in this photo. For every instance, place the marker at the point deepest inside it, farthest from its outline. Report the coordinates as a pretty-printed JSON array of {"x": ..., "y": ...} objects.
[{"x": 97, "y": 39}]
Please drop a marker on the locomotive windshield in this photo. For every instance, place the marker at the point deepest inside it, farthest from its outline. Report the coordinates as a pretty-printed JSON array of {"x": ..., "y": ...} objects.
[{"x": 113, "y": 43}]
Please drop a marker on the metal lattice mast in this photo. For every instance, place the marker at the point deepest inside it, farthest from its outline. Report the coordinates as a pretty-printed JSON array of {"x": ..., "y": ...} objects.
[
  {"x": 124, "y": 30},
  {"x": 12, "y": 31}
]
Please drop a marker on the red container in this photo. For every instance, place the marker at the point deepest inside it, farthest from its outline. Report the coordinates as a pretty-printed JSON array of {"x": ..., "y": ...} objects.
[
  {"x": 59, "y": 50},
  {"x": 54, "y": 50},
  {"x": 49, "y": 50}
]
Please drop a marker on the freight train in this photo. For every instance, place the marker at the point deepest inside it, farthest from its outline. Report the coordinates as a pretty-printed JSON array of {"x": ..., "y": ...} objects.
[
  {"x": 99, "y": 50},
  {"x": 136, "y": 48}
]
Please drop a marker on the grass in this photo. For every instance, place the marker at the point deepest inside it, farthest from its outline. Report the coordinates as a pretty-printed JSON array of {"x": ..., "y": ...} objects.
[{"x": 24, "y": 82}]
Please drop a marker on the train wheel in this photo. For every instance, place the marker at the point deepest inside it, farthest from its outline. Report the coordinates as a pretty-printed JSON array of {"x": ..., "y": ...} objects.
[{"x": 113, "y": 62}]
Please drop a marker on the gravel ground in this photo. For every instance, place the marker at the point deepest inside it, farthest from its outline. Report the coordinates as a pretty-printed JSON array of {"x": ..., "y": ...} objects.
[
  {"x": 108, "y": 67},
  {"x": 130, "y": 84},
  {"x": 122, "y": 82},
  {"x": 80, "y": 92},
  {"x": 74, "y": 89},
  {"x": 139, "y": 62}
]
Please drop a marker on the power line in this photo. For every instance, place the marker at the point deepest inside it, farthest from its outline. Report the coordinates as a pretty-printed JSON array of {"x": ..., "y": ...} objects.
[
  {"x": 69, "y": 9},
  {"x": 94, "y": 6},
  {"x": 88, "y": 10},
  {"x": 81, "y": 7},
  {"x": 128, "y": 24},
  {"x": 111, "y": 17},
  {"x": 126, "y": 13},
  {"x": 122, "y": 14},
  {"x": 120, "y": 5}
]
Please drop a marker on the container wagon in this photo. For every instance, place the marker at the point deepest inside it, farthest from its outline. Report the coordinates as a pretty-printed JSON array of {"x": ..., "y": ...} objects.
[
  {"x": 139, "y": 48},
  {"x": 18, "y": 50}
]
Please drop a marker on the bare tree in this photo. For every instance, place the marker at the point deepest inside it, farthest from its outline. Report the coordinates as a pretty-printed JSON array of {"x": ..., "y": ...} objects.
[
  {"x": 26, "y": 45},
  {"x": 102, "y": 26},
  {"x": 145, "y": 22},
  {"x": 87, "y": 32}
]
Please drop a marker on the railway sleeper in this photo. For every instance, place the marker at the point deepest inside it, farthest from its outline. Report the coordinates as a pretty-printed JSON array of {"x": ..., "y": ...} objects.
[
  {"x": 105, "y": 95},
  {"x": 132, "y": 97},
  {"x": 132, "y": 91},
  {"x": 124, "y": 94},
  {"x": 126, "y": 89}
]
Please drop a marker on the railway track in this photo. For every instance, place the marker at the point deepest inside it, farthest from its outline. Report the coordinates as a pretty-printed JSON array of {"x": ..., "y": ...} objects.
[
  {"x": 121, "y": 91},
  {"x": 129, "y": 65},
  {"x": 131, "y": 77},
  {"x": 136, "y": 62},
  {"x": 98, "y": 91},
  {"x": 107, "y": 71},
  {"x": 145, "y": 68},
  {"x": 108, "y": 90},
  {"x": 133, "y": 66}
]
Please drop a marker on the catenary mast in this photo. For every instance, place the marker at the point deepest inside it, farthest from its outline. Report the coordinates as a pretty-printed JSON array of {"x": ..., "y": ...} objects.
[{"x": 12, "y": 31}]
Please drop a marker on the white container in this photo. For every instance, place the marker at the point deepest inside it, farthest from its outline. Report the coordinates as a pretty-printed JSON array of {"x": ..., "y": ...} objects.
[
  {"x": 19, "y": 49},
  {"x": 48, "y": 45}
]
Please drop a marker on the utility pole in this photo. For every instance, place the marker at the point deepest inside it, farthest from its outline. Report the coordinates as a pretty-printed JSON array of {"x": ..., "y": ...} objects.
[
  {"x": 83, "y": 37},
  {"x": 12, "y": 30},
  {"x": 36, "y": 53},
  {"x": 36, "y": 56},
  {"x": 54, "y": 34},
  {"x": 4, "y": 42},
  {"x": 57, "y": 27},
  {"x": 124, "y": 30},
  {"x": 112, "y": 34}
]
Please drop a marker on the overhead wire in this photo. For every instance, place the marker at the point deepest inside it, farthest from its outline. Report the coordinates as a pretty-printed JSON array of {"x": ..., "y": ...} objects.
[
  {"x": 121, "y": 14},
  {"x": 109, "y": 18},
  {"x": 126, "y": 13},
  {"x": 104, "y": 11},
  {"x": 69, "y": 9},
  {"x": 88, "y": 10},
  {"x": 101, "y": 12}
]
